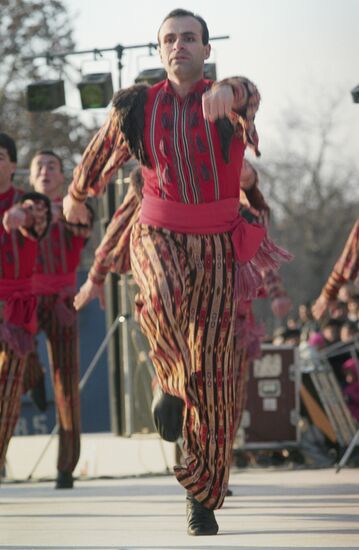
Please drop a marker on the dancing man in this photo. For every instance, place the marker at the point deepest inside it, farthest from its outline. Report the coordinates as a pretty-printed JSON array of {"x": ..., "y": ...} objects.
[
  {"x": 192, "y": 255},
  {"x": 54, "y": 281},
  {"x": 24, "y": 219}
]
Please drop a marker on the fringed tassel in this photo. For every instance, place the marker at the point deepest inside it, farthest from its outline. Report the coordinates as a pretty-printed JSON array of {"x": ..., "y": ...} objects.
[
  {"x": 247, "y": 281},
  {"x": 270, "y": 255},
  {"x": 248, "y": 278}
]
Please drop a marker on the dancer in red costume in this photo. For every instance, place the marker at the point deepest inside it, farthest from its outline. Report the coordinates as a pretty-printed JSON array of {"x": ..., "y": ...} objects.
[
  {"x": 54, "y": 282},
  {"x": 24, "y": 219},
  {"x": 192, "y": 255}
]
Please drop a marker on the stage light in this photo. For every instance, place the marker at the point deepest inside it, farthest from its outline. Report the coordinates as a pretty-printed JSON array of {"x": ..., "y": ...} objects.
[
  {"x": 96, "y": 90},
  {"x": 355, "y": 94},
  {"x": 45, "y": 95},
  {"x": 151, "y": 76}
]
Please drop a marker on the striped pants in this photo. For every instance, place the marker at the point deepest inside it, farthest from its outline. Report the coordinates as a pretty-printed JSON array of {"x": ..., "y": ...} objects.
[
  {"x": 186, "y": 308},
  {"x": 11, "y": 377},
  {"x": 63, "y": 352}
]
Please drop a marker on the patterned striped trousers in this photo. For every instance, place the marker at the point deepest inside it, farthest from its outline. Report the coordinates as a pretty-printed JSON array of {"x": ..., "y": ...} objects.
[
  {"x": 11, "y": 376},
  {"x": 186, "y": 308},
  {"x": 63, "y": 352}
]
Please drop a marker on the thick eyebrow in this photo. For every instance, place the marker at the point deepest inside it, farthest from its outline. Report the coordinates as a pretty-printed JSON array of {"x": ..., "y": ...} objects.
[
  {"x": 186, "y": 34},
  {"x": 43, "y": 163}
]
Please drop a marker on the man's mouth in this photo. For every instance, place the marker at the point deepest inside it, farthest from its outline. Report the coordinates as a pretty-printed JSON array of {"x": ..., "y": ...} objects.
[{"x": 180, "y": 58}]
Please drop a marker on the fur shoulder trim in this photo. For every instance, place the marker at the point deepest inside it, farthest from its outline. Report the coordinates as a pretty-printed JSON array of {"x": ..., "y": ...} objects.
[
  {"x": 125, "y": 98},
  {"x": 129, "y": 104}
]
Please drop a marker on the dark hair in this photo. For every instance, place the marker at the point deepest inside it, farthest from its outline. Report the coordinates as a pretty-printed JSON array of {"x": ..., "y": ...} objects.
[
  {"x": 350, "y": 325},
  {"x": 185, "y": 13},
  {"x": 51, "y": 153},
  {"x": 331, "y": 323},
  {"x": 6, "y": 142}
]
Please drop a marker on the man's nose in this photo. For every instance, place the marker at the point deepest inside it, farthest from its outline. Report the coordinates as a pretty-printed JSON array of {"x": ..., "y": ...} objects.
[{"x": 178, "y": 43}]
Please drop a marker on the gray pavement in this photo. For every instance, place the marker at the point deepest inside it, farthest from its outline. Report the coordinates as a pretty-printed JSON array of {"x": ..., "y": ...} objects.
[{"x": 272, "y": 509}]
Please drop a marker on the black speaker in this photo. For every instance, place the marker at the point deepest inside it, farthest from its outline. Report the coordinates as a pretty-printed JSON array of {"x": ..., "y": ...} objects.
[
  {"x": 355, "y": 94},
  {"x": 45, "y": 95},
  {"x": 96, "y": 90},
  {"x": 151, "y": 76},
  {"x": 210, "y": 71}
]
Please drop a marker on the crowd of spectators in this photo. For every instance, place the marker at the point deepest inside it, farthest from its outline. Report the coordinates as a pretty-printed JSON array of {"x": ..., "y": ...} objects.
[{"x": 336, "y": 335}]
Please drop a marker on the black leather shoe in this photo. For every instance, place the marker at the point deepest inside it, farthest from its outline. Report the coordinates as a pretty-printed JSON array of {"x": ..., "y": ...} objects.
[
  {"x": 229, "y": 493},
  {"x": 38, "y": 395},
  {"x": 167, "y": 412},
  {"x": 200, "y": 520},
  {"x": 64, "y": 480}
]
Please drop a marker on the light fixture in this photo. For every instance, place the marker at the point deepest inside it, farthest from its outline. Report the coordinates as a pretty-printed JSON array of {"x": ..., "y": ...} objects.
[
  {"x": 45, "y": 95},
  {"x": 151, "y": 76},
  {"x": 209, "y": 71},
  {"x": 355, "y": 94},
  {"x": 96, "y": 90}
]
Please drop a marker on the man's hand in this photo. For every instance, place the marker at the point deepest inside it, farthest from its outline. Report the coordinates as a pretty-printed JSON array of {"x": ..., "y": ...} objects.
[
  {"x": 217, "y": 102},
  {"x": 320, "y": 307},
  {"x": 14, "y": 218},
  {"x": 88, "y": 292},
  {"x": 74, "y": 211}
]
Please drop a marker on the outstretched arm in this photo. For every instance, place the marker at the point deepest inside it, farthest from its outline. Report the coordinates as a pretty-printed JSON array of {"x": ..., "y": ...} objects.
[
  {"x": 88, "y": 292},
  {"x": 238, "y": 99},
  {"x": 346, "y": 269},
  {"x": 104, "y": 155},
  {"x": 31, "y": 216},
  {"x": 113, "y": 253}
]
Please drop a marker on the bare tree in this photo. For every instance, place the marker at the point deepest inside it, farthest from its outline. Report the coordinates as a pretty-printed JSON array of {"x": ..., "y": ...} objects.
[
  {"x": 29, "y": 28},
  {"x": 313, "y": 192}
]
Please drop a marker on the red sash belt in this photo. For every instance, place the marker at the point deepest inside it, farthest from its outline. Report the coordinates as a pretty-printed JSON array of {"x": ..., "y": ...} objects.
[
  {"x": 19, "y": 323},
  {"x": 45, "y": 285},
  {"x": 254, "y": 250},
  {"x": 206, "y": 218},
  {"x": 20, "y": 303},
  {"x": 63, "y": 285}
]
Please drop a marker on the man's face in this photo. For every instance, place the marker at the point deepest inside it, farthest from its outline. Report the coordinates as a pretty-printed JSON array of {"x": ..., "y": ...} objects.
[
  {"x": 7, "y": 169},
  {"x": 181, "y": 49},
  {"x": 46, "y": 176}
]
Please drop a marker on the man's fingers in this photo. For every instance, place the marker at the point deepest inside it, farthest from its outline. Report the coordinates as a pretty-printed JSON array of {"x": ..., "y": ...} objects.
[
  {"x": 217, "y": 102},
  {"x": 206, "y": 106},
  {"x": 79, "y": 300},
  {"x": 13, "y": 219}
]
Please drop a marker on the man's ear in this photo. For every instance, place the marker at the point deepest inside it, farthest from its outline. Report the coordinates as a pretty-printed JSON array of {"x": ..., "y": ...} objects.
[
  {"x": 13, "y": 166},
  {"x": 207, "y": 51}
]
